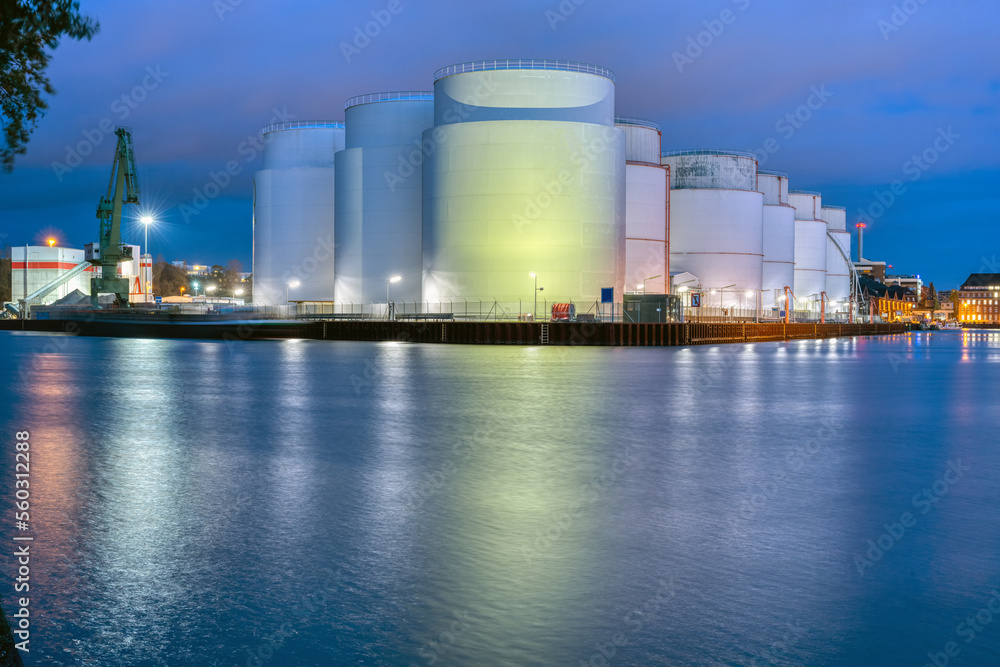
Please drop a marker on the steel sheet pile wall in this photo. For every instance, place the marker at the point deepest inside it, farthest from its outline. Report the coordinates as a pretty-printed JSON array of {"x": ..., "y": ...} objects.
[
  {"x": 716, "y": 221},
  {"x": 646, "y": 195},
  {"x": 527, "y": 175},
  {"x": 293, "y": 223},
  {"x": 378, "y": 207}
]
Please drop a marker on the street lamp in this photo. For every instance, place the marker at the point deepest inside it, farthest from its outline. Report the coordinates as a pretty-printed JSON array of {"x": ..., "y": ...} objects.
[
  {"x": 650, "y": 278},
  {"x": 537, "y": 290},
  {"x": 394, "y": 279},
  {"x": 51, "y": 242},
  {"x": 292, "y": 284},
  {"x": 146, "y": 221},
  {"x": 195, "y": 286}
]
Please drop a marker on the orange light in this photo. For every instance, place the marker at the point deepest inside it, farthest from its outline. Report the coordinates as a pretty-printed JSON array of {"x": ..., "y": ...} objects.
[{"x": 52, "y": 242}]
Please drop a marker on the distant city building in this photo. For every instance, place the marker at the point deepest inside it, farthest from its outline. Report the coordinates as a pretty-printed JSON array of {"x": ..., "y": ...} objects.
[
  {"x": 978, "y": 298},
  {"x": 874, "y": 270},
  {"x": 913, "y": 283},
  {"x": 892, "y": 303}
]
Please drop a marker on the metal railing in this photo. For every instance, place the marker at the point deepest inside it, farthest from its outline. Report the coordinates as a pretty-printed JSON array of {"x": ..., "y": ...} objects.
[
  {"x": 304, "y": 125},
  {"x": 709, "y": 151},
  {"x": 638, "y": 122},
  {"x": 527, "y": 64},
  {"x": 399, "y": 96}
]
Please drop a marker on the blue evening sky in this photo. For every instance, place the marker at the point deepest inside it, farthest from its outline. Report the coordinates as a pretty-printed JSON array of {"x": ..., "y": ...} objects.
[{"x": 889, "y": 81}]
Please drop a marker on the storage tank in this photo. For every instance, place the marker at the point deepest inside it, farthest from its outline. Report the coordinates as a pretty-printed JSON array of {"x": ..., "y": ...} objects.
[
  {"x": 779, "y": 236},
  {"x": 646, "y": 217},
  {"x": 716, "y": 222},
  {"x": 293, "y": 212},
  {"x": 378, "y": 207},
  {"x": 810, "y": 248},
  {"x": 838, "y": 248},
  {"x": 527, "y": 176}
]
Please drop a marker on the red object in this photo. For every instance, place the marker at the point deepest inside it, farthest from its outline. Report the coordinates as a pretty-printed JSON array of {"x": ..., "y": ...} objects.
[
  {"x": 563, "y": 312},
  {"x": 861, "y": 225}
]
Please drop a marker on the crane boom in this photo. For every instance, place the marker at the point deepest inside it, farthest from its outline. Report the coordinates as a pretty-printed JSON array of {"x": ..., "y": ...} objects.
[{"x": 123, "y": 188}]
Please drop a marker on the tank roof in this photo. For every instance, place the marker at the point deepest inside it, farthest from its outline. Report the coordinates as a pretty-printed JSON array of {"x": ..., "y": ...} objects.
[
  {"x": 638, "y": 122},
  {"x": 398, "y": 96},
  {"x": 805, "y": 192},
  {"x": 768, "y": 172},
  {"x": 839, "y": 208},
  {"x": 525, "y": 64}
]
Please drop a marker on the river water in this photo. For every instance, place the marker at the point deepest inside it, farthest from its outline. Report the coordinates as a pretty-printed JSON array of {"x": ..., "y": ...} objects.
[{"x": 334, "y": 503}]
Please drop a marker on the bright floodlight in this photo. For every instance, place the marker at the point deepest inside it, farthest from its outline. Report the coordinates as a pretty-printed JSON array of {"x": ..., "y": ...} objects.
[
  {"x": 210, "y": 288},
  {"x": 712, "y": 292},
  {"x": 52, "y": 242},
  {"x": 238, "y": 292},
  {"x": 146, "y": 219},
  {"x": 682, "y": 288},
  {"x": 640, "y": 286},
  {"x": 194, "y": 285},
  {"x": 749, "y": 293},
  {"x": 532, "y": 275},
  {"x": 395, "y": 279},
  {"x": 294, "y": 283}
]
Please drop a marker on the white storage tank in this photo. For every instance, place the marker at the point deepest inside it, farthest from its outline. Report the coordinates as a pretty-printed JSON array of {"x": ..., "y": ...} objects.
[
  {"x": 378, "y": 207},
  {"x": 293, "y": 212},
  {"x": 810, "y": 248},
  {"x": 716, "y": 222},
  {"x": 779, "y": 236},
  {"x": 527, "y": 176},
  {"x": 838, "y": 252},
  {"x": 646, "y": 215}
]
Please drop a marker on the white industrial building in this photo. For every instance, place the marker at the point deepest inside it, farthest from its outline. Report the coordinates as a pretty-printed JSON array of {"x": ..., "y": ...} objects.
[
  {"x": 517, "y": 174},
  {"x": 33, "y": 268}
]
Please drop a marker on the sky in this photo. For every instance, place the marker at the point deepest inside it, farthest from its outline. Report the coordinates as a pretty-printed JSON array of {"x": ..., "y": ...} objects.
[{"x": 848, "y": 97}]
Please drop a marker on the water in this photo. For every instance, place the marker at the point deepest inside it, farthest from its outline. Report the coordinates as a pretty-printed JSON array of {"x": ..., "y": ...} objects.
[{"x": 321, "y": 503}]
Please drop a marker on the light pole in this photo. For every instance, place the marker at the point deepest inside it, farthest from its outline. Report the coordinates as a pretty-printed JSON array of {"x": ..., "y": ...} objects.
[
  {"x": 538, "y": 289},
  {"x": 292, "y": 284},
  {"x": 195, "y": 286},
  {"x": 650, "y": 278},
  {"x": 146, "y": 221},
  {"x": 394, "y": 279}
]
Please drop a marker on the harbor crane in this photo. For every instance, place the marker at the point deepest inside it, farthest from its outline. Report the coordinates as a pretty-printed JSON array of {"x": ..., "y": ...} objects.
[{"x": 109, "y": 251}]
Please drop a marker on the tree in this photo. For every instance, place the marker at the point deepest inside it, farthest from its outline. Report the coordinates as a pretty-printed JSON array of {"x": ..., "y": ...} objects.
[
  {"x": 168, "y": 279},
  {"x": 6, "y": 276},
  {"x": 27, "y": 29}
]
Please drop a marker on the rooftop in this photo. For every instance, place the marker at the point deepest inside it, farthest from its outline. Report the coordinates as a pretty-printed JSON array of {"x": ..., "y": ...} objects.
[{"x": 399, "y": 96}]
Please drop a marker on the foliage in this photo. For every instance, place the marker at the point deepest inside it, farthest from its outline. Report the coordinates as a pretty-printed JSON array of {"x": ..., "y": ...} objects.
[
  {"x": 28, "y": 29},
  {"x": 168, "y": 279}
]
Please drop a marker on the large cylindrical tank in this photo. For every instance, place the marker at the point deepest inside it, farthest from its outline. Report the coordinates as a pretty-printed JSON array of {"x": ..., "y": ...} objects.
[
  {"x": 779, "y": 236},
  {"x": 526, "y": 175},
  {"x": 293, "y": 212},
  {"x": 378, "y": 208},
  {"x": 810, "y": 247},
  {"x": 642, "y": 139},
  {"x": 838, "y": 248},
  {"x": 645, "y": 207},
  {"x": 716, "y": 222}
]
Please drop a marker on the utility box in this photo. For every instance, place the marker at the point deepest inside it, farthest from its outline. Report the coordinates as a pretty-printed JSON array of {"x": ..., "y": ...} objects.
[
  {"x": 92, "y": 252},
  {"x": 650, "y": 308}
]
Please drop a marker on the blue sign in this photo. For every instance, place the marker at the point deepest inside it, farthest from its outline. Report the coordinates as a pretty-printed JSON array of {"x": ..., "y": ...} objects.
[
  {"x": 158, "y": 299},
  {"x": 607, "y": 295},
  {"x": 696, "y": 301}
]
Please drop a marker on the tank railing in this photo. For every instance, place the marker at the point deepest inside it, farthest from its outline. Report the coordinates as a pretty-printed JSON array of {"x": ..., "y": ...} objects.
[
  {"x": 709, "y": 151},
  {"x": 638, "y": 122},
  {"x": 525, "y": 64},
  {"x": 806, "y": 192},
  {"x": 399, "y": 96},
  {"x": 303, "y": 125}
]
